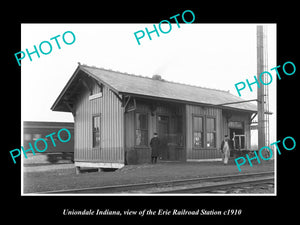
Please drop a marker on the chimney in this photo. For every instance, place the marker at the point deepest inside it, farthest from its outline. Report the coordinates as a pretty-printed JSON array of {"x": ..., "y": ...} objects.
[{"x": 156, "y": 77}]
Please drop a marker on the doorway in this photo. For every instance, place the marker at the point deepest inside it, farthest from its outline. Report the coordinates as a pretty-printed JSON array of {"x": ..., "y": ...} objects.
[
  {"x": 238, "y": 137},
  {"x": 163, "y": 131}
]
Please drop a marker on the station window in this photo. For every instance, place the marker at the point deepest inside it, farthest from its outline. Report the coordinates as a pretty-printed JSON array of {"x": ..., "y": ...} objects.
[
  {"x": 96, "y": 131},
  {"x": 27, "y": 137},
  {"x": 36, "y": 136},
  {"x": 204, "y": 132},
  {"x": 141, "y": 129},
  {"x": 210, "y": 132},
  {"x": 198, "y": 131}
]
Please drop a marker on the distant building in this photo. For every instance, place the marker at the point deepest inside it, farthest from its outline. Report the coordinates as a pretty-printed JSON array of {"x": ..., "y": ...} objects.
[{"x": 117, "y": 113}]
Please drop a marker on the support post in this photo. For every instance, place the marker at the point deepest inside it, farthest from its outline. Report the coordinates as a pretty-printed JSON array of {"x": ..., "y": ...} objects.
[
  {"x": 260, "y": 91},
  {"x": 77, "y": 170}
]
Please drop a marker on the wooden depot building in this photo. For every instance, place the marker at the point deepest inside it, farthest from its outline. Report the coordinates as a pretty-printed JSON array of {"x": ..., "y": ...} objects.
[{"x": 116, "y": 114}]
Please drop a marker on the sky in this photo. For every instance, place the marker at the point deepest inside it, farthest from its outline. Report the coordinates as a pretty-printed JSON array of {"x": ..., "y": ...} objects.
[{"x": 207, "y": 55}]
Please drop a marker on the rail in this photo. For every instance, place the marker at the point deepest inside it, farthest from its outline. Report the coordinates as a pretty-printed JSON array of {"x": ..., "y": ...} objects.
[{"x": 174, "y": 185}]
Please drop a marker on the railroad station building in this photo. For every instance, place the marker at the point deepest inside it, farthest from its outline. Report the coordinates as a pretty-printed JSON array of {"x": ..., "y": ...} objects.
[{"x": 116, "y": 114}]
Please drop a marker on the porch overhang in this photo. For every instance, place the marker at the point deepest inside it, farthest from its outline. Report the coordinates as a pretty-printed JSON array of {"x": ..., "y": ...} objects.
[{"x": 227, "y": 106}]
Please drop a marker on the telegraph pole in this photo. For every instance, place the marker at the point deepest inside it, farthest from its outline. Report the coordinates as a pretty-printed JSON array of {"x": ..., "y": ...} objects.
[{"x": 260, "y": 91}]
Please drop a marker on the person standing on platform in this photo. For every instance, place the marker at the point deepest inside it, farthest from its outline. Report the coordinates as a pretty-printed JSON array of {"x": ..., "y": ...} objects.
[
  {"x": 154, "y": 144},
  {"x": 225, "y": 149}
]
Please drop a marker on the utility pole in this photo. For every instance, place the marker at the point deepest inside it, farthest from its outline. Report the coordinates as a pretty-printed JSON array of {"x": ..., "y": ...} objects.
[{"x": 262, "y": 97}]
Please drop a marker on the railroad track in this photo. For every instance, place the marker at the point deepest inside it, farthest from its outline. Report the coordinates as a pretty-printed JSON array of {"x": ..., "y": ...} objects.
[
  {"x": 215, "y": 187},
  {"x": 193, "y": 185}
]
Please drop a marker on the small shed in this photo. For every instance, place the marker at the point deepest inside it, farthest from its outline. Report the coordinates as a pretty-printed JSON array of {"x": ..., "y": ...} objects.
[{"x": 116, "y": 114}]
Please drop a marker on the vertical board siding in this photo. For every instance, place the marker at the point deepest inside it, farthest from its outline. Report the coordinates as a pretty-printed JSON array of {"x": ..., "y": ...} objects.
[
  {"x": 112, "y": 138},
  {"x": 204, "y": 153}
]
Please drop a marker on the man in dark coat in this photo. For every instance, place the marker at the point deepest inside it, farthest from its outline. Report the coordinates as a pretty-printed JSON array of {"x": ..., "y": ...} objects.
[{"x": 154, "y": 144}]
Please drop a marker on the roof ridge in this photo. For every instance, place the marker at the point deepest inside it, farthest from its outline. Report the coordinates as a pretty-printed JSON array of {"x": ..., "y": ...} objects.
[
  {"x": 141, "y": 76},
  {"x": 116, "y": 71}
]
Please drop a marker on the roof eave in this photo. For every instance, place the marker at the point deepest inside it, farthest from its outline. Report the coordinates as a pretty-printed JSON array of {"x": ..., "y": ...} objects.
[
  {"x": 62, "y": 93},
  {"x": 67, "y": 86},
  {"x": 187, "y": 102}
]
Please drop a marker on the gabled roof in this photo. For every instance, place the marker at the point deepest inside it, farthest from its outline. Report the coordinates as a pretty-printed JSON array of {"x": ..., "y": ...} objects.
[{"x": 123, "y": 83}]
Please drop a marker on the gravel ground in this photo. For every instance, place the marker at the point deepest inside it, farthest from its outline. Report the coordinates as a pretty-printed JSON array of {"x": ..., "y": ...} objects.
[
  {"x": 62, "y": 176},
  {"x": 257, "y": 189}
]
